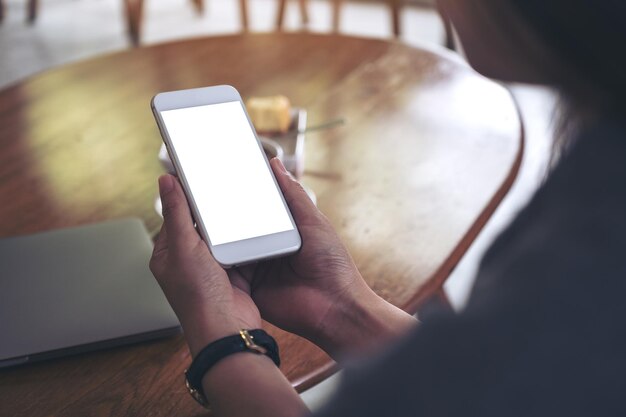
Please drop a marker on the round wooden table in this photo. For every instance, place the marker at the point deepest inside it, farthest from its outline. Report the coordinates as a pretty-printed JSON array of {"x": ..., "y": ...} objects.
[{"x": 428, "y": 150}]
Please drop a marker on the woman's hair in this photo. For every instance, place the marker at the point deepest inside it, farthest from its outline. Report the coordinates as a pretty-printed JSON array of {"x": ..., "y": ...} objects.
[{"x": 587, "y": 38}]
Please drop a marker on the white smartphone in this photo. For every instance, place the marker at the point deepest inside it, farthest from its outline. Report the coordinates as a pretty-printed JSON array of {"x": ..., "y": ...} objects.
[{"x": 239, "y": 209}]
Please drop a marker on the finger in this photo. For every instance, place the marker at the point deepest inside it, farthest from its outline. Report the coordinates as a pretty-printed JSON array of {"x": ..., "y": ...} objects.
[
  {"x": 160, "y": 243},
  {"x": 176, "y": 215},
  {"x": 238, "y": 280},
  {"x": 302, "y": 208},
  {"x": 247, "y": 272},
  {"x": 158, "y": 253}
]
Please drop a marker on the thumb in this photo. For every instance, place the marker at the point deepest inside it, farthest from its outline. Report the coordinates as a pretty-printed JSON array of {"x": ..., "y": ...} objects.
[
  {"x": 299, "y": 202},
  {"x": 177, "y": 220}
]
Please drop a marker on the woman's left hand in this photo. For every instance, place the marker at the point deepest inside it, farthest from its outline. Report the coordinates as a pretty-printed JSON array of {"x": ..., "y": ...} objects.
[
  {"x": 212, "y": 304},
  {"x": 209, "y": 303}
]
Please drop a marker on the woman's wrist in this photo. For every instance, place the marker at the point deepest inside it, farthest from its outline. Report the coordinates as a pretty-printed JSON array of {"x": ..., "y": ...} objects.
[
  {"x": 361, "y": 325},
  {"x": 246, "y": 384},
  {"x": 203, "y": 326},
  {"x": 199, "y": 336}
]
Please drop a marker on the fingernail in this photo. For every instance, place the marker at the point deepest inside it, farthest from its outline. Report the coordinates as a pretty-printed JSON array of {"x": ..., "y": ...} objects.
[{"x": 165, "y": 184}]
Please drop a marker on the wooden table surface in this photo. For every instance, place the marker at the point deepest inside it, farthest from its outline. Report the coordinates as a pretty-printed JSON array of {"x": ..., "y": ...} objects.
[{"x": 428, "y": 150}]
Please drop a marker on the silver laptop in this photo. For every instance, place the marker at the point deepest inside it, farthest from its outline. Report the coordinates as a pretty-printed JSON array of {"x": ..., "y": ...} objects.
[{"x": 75, "y": 290}]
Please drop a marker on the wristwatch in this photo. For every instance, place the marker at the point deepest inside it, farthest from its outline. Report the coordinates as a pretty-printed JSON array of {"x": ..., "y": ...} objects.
[{"x": 253, "y": 341}]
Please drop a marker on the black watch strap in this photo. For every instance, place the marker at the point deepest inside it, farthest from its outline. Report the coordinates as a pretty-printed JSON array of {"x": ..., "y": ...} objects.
[{"x": 255, "y": 341}]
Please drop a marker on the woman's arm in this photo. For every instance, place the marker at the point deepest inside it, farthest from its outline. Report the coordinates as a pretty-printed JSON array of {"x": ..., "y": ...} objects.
[
  {"x": 247, "y": 384},
  {"x": 362, "y": 325},
  {"x": 317, "y": 293},
  {"x": 211, "y": 306}
]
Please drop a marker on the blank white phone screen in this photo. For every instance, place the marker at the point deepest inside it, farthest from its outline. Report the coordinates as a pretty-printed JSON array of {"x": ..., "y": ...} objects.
[{"x": 231, "y": 185}]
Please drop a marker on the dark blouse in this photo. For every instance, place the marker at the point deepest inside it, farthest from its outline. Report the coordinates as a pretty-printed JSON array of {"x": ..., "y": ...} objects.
[{"x": 544, "y": 332}]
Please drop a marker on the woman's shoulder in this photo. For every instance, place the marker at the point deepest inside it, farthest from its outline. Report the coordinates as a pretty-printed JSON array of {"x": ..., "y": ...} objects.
[{"x": 572, "y": 234}]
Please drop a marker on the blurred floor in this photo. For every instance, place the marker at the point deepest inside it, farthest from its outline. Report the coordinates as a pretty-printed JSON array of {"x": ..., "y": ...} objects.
[{"x": 69, "y": 30}]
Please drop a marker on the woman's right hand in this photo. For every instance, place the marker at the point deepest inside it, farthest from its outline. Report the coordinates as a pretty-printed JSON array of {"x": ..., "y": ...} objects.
[{"x": 318, "y": 292}]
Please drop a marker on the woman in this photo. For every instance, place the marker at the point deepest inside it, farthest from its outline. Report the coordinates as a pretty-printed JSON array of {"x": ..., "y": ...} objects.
[{"x": 544, "y": 332}]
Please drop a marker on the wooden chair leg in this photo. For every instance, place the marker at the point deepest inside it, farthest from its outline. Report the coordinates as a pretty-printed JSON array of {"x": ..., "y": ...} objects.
[
  {"x": 449, "y": 39},
  {"x": 198, "y": 5},
  {"x": 243, "y": 9},
  {"x": 280, "y": 16},
  {"x": 336, "y": 15},
  {"x": 304, "y": 12},
  {"x": 134, "y": 14},
  {"x": 395, "y": 17},
  {"x": 32, "y": 5}
]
